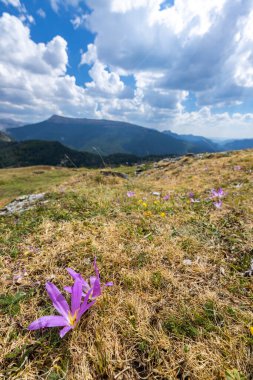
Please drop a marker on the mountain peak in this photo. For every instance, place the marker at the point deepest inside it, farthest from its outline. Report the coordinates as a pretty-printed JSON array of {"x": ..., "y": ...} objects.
[{"x": 56, "y": 118}]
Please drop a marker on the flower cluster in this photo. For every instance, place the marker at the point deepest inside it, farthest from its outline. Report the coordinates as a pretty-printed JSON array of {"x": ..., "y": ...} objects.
[
  {"x": 217, "y": 195},
  {"x": 162, "y": 205},
  {"x": 83, "y": 296}
]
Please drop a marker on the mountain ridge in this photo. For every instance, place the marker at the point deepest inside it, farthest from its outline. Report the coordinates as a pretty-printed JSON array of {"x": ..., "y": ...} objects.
[{"x": 108, "y": 136}]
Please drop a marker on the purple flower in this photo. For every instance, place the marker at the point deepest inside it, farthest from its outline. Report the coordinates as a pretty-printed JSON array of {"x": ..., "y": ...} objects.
[
  {"x": 217, "y": 193},
  {"x": 94, "y": 288},
  {"x": 130, "y": 194},
  {"x": 69, "y": 317},
  {"x": 192, "y": 199},
  {"x": 237, "y": 167},
  {"x": 166, "y": 197},
  {"x": 218, "y": 204}
]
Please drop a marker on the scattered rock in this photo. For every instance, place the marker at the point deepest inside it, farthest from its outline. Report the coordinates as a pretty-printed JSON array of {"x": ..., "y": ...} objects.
[
  {"x": 156, "y": 193},
  {"x": 249, "y": 272},
  {"x": 187, "y": 262},
  {"x": 21, "y": 204},
  {"x": 107, "y": 173}
]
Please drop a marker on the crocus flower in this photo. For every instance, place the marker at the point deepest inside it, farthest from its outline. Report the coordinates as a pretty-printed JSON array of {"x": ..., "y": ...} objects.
[
  {"x": 217, "y": 193},
  {"x": 69, "y": 316},
  {"x": 130, "y": 194},
  {"x": 94, "y": 288},
  {"x": 218, "y": 204},
  {"x": 192, "y": 199},
  {"x": 237, "y": 167},
  {"x": 166, "y": 197}
]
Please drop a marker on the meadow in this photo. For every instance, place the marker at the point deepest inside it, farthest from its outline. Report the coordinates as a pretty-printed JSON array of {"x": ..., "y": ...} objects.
[{"x": 180, "y": 306}]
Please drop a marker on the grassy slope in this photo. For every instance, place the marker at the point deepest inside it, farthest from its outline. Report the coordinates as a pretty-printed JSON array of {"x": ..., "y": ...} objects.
[
  {"x": 21, "y": 181},
  {"x": 162, "y": 319}
]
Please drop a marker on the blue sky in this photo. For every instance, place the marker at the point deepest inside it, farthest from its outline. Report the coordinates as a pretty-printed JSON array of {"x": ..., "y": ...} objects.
[{"x": 184, "y": 65}]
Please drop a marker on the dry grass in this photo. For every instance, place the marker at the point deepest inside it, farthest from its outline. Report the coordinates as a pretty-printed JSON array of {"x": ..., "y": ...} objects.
[{"x": 163, "y": 319}]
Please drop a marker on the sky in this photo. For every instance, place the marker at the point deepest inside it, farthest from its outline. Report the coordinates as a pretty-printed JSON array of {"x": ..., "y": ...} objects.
[{"x": 183, "y": 65}]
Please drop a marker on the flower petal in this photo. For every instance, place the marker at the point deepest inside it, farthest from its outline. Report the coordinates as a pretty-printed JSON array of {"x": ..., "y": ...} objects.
[
  {"x": 76, "y": 296},
  {"x": 96, "y": 289},
  {"x": 64, "y": 331},
  {"x": 47, "y": 321},
  {"x": 68, "y": 289},
  {"x": 110, "y": 283},
  {"x": 58, "y": 300},
  {"x": 85, "y": 305},
  {"x": 92, "y": 281},
  {"x": 76, "y": 275}
]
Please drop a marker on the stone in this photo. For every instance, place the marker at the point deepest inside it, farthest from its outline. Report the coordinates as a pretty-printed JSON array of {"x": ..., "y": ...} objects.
[{"x": 21, "y": 204}]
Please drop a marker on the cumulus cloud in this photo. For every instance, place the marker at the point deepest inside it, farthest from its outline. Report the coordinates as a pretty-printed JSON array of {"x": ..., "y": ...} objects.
[
  {"x": 172, "y": 50},
  {"x": 33, "y": 77}
]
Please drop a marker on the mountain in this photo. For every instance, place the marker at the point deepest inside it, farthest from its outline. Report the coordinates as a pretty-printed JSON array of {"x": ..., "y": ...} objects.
[
  {"x": 105, "y": 136},
  {"x": 237, "y": 144},
  {"x": 204, "y": 144}
]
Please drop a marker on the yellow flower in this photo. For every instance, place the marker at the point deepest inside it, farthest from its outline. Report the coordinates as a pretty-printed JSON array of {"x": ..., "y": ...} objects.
[
  {"x": 251, "y": 330},
  {"x": 148, "y": 213},
  {"x": 162, "y": 214},
  {"x": 139, "y": 201},
  {"x": 156, "y": 202},
  {"x": 144, "y": 204}
]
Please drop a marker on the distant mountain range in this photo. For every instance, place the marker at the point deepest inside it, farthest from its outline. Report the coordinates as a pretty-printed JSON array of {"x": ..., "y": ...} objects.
[
  {"x": 108, "y": 137},
  {"x": 50, "y": 140}
]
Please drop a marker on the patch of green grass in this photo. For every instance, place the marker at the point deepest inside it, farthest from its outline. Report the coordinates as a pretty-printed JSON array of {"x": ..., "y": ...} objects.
[
  {"x": 193, "y": 323},
  {"x": 9, "y": 303},
  {"x": 22, "y": 181}
]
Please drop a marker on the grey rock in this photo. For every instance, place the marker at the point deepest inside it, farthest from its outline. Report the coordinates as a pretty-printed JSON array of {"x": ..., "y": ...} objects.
[{"x": 21, "y": 204}]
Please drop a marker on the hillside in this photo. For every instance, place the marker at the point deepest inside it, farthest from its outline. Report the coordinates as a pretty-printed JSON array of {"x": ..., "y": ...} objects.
[
  {"x": 28, "y": 153},
  {"x": 203, "y": 144},
  {"x": 4, "y": 137},
  {"x": 180, "y": 307},
  {"x": 108, "y": 136},
  {"x": 238, "y": 144}
]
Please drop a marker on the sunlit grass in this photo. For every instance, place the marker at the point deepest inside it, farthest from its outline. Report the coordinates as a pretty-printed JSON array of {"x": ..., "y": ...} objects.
[{"x": 179, "y": 308}]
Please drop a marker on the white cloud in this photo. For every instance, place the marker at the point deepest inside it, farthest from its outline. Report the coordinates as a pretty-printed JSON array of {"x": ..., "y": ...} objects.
[
  {"x": 79, "y": 21},
  {"x": 41, "y": 13},
  {"x": 33, "y": 79},
  {"x": 168, "y": 53},
  {"x": 13, "y": 3},
  {"x": 55, "y": 4}
]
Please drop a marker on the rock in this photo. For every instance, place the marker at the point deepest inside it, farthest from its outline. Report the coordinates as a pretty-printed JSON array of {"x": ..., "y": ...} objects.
[
  {"x": 107, "y": 173},
  {"x": 249, "y": 272},
  {"x": 187, "y": 262},
  {"x": 21, "y": 204}
]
